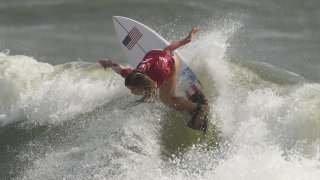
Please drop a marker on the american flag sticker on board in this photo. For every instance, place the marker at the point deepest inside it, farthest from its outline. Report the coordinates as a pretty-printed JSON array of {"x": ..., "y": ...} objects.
[{"x": 132, "y": 38}]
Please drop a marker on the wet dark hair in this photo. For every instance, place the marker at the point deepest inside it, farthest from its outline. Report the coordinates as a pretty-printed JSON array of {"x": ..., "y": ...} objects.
[{"x": 139, "y": 79}]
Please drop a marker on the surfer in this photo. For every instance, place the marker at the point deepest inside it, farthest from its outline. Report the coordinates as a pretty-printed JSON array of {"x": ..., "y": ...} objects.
[{"x": 155, "y": 79}]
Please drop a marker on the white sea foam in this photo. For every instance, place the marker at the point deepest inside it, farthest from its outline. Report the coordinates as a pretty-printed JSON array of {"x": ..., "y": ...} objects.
[
  {"x": 269, "y": 130},
  {"x": 43, "y": 93}
]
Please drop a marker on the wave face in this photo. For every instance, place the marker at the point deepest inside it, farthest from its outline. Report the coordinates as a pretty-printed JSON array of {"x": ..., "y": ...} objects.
[{"x": 74, "y": 121}]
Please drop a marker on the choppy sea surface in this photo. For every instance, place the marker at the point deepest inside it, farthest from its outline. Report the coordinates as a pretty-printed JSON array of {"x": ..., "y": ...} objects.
[{"x": 63, "y": 117}]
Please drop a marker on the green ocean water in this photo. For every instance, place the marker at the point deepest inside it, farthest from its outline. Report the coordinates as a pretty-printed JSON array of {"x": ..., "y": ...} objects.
[{"x": 63, "y": 117}]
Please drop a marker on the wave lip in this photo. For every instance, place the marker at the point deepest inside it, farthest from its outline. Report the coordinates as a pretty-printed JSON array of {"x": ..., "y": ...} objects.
[{"x": 41, "y": 93}]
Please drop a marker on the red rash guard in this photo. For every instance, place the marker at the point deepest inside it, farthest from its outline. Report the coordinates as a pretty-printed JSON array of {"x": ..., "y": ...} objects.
[{"x": 157, "y": 64}]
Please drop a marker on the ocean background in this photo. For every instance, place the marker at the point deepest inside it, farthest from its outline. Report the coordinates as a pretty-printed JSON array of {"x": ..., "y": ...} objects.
[{"x": 63, "y": 117}]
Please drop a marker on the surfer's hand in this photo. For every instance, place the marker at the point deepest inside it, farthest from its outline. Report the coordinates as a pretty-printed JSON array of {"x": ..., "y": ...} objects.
[
  {"x": 105, "y": 63},
  {"x": 191, "y": 34}
]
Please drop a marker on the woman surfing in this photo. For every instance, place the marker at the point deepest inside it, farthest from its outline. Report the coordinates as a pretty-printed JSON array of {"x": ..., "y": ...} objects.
[{"x": 155, "y": 79}]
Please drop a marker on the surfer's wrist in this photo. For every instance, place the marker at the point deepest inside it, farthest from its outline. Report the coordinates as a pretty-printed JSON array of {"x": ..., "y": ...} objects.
[{"x": 188, "y": 39}]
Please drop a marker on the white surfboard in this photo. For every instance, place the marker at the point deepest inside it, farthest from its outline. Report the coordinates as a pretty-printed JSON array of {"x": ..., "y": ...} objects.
[{"x": 137, "y": 39}]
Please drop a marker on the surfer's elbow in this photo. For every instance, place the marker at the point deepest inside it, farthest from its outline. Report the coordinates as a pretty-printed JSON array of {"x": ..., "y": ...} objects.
[{"x": 168, "y": 50}]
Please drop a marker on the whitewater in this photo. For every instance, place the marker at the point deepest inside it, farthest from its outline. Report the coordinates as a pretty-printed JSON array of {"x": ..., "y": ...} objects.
[{"x": 74, "y": 121}]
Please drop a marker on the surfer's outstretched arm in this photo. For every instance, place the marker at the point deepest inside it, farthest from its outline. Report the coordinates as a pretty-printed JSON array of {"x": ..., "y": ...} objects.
[
  {"x": 118, "y": 68},
  {"x": 175, "y": 45}
]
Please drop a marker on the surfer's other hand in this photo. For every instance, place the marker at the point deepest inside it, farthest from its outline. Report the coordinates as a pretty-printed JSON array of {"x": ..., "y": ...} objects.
[
  {"x": 192, "y": 33},
  {"x": 105, "y": 63}
]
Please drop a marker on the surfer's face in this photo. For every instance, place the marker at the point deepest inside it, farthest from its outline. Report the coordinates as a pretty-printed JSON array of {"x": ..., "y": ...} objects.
[{"x": 136, "y": 90}]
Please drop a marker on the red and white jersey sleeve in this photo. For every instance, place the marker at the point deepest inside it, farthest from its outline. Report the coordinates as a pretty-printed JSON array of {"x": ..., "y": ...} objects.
[{"x": 118, "y": 68}]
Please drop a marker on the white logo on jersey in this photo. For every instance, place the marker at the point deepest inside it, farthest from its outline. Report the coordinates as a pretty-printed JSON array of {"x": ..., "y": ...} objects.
[{"x": 163, "y": 59}]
